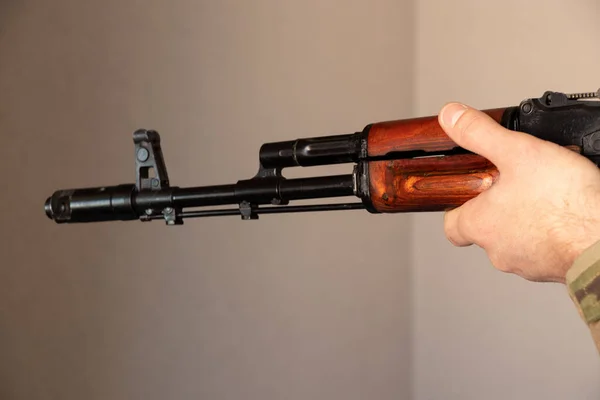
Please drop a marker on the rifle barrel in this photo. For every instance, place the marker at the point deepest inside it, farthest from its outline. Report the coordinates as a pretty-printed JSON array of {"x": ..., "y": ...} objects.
[{"x": 123, "y": 202}]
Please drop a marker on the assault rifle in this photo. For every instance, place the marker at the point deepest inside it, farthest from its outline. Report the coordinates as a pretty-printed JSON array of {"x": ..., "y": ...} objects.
[{"x": 407, "y": 165}]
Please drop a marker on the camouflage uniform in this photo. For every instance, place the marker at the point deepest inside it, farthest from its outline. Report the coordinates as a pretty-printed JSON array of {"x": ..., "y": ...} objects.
[{"x": 583, "y": 282}]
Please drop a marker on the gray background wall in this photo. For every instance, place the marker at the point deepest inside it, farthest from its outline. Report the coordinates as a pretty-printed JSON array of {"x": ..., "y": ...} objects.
[
  {"x": 225, "y": 309},
  {"x": 296, "y": 306}
]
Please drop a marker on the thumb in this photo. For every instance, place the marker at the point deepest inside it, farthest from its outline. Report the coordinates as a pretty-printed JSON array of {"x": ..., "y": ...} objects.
[{"x": 476, "y": 131}]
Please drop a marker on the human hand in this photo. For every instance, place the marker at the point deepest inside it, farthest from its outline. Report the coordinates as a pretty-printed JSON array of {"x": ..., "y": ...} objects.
[{"x": 542, "y": 212}]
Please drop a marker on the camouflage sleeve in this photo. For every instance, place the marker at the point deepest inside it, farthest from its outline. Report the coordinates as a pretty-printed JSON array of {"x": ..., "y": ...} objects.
[{"x": 583, "y": 283}]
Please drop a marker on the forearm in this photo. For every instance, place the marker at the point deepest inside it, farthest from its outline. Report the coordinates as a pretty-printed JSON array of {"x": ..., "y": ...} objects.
[{"x": 583, "y": 283}]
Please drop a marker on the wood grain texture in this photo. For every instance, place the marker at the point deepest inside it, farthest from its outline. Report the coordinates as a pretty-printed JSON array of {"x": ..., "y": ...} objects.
[
  {"x": 414, "y": 134},
  {"x": 428, "y": 184}
]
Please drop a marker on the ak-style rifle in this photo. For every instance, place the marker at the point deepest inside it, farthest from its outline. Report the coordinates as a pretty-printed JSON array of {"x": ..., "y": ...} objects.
[{"x": 407, "y": 165}]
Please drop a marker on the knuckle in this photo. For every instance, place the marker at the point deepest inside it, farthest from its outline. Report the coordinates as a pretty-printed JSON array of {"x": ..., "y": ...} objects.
[
  {"x": 497, "y": 262},
  {"x": 450, "y": 227},
  {"x": 467, "y": 223},
  {"x": 459, "y": 231},
  {"x": 453, "y": 239},
  {"x": 501, "y": 263}
]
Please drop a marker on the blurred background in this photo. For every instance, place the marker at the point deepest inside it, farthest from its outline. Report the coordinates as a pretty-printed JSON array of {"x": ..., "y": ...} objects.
[{"x": 340, "y": 305}]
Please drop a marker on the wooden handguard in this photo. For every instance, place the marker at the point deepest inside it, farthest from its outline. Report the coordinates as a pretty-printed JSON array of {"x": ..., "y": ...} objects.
[
  {"x": 428, "y": 184},
  {"x": 436, "y": 183}
]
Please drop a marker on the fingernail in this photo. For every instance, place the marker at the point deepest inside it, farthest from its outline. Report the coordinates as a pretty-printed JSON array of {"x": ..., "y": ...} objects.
[{"x": 451, "y": 113}]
